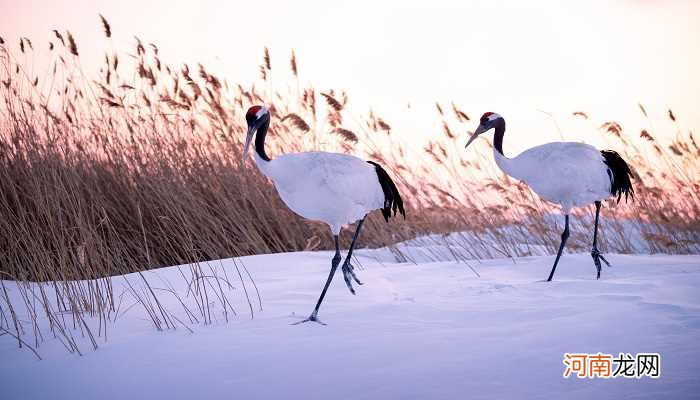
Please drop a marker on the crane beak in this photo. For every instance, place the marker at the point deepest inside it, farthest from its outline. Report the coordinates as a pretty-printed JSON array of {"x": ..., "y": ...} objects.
[
  {"x": 248, "y": 139},
  {"x": 476, "y": 134}
]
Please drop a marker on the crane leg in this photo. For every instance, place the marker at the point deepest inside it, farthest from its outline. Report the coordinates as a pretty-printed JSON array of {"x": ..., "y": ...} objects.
[
  {"x": 594, "y": 252},
  {"x": 564, "y": 236},
  {"x": 334, "y": 265},
  {"x": 348, "y": 269}
]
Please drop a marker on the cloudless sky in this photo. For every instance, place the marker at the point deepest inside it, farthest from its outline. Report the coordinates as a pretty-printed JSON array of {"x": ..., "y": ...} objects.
[{"x": 511, "y": 57}]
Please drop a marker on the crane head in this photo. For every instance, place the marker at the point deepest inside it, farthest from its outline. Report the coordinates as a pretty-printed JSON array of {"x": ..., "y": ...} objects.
[
  {"x": 256, "y": 117},
  {"x": 486, "y": 122}
]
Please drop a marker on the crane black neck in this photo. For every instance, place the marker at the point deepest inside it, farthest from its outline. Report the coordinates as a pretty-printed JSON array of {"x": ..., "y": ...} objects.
[
  {"x": 260, "y": 139},
  {"x": 499, "y": 131}
]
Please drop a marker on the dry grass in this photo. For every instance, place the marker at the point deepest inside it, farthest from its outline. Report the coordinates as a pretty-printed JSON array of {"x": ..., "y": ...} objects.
[{"x": 141, "y": 167}]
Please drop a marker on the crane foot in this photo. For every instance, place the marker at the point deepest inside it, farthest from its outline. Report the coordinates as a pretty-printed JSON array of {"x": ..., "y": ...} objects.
[
  {"x": 597, "y": 257},
  {"x": 311, "y": 318},
  {"x": 349, "y": 274}
]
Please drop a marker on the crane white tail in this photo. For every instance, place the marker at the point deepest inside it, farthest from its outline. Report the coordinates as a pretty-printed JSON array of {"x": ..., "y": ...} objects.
[
  {"x": 392, "y": 198},
  {"x": 620, "y": 175}
]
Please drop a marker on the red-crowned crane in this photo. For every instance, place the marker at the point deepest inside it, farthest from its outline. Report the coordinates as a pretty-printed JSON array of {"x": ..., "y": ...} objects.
[
  {"x": 337, "y": 189},
  {"x": 567, "y": 173}
]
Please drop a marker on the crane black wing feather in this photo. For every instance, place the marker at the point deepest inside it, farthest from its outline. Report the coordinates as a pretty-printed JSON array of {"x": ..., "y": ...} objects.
[
  {"x": 392, "y": 198},
  {"x": 621, "y": 175}
]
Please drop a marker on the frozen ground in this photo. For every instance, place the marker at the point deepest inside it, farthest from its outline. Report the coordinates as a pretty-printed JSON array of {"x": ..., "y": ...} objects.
[{"x": 426, "y": 331}]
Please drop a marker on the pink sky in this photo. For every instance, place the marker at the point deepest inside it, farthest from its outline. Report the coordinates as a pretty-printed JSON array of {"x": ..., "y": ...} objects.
[{"x": 511, "y": 57}]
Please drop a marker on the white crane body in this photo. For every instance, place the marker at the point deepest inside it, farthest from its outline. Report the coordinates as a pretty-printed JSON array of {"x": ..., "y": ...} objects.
[
  {"x": 337, "y": 189},
  {"x": 567, "y": 173}
]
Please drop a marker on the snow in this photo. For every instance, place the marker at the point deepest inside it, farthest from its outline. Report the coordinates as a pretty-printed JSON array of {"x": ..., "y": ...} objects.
[{"x": 432, "y": 330}]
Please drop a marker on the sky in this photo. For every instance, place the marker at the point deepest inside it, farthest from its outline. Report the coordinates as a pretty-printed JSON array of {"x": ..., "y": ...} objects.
[{"x": 524, "y": 60}]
